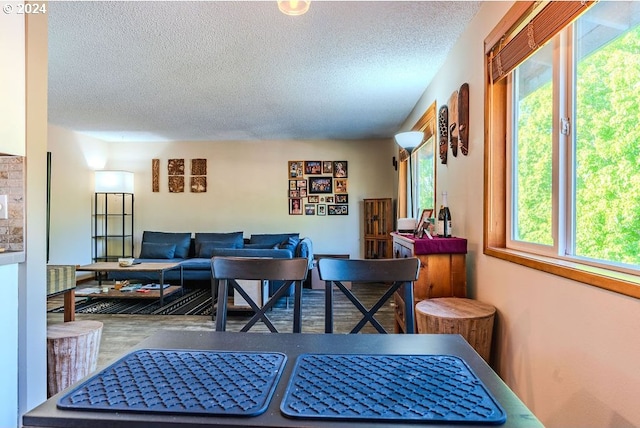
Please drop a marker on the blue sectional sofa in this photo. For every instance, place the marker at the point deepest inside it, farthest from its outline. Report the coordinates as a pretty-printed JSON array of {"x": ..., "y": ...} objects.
[{"x": 195, "y": 252}]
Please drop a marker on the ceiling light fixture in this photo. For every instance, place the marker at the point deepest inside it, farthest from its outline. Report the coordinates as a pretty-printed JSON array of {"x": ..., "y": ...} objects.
[{"x": 294, "y": 7}]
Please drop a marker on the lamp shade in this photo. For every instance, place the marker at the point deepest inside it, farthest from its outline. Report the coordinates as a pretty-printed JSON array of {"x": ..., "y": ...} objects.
[
  {"x": 409, "y": 140},
  {"x": 114, "y": 182},
  {"x": 294, "y": 7}
]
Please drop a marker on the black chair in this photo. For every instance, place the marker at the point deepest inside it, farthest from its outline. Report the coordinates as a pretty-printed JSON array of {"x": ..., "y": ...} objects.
[
  {"x": 401, "y": 273},
  {"x": 225, "y": 271}
]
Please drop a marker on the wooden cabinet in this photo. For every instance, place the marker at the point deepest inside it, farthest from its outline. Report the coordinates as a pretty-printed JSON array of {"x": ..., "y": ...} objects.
[
  {"x": 112, "y": 232},
  {"x": 378, "y": 225},
  {"x": 442, "y": 269}
]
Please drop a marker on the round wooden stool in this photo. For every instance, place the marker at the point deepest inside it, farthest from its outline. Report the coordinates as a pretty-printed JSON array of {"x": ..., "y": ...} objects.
[
  {"x": 455, "y": 315},
  {"x": 72, "y": 353}
]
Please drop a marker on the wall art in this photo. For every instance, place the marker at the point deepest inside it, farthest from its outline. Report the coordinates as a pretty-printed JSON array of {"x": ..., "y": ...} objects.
[
  {"x": 313, "y": 167},
  {"x": 463, "y": 118},
  {"x": 340, "y": 169},
  {"x": 295, "y": 206},
  {"x": 338, "y": 209},
  {"x": 155, "y": 175},
  {"x": 198, "y": 184},
  {"x": 340, "y": 185},
  {"x": 315, "y": 183},
  {"x": 176, "y": 183},
  {"x": 295, "y": 169},
  {"x": 320, "y": 185}
]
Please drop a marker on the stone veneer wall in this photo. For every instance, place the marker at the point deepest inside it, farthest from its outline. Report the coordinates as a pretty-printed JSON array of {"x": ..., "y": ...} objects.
[{"x": 12, "y": 185}]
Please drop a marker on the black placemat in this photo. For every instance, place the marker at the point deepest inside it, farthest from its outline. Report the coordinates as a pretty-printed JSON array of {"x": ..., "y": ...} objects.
[
  {"x": 181, "y": 381},
  {"x": 438, "y": 388}
]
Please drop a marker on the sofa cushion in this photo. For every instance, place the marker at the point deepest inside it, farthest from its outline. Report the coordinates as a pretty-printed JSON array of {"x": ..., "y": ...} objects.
[
  {"x": 234, "y": 238},
  {"x": 156, "y": 250},
  {"x": 243, "y": 252},
  {"x": 180, "y": 239},
  {"x": 271, "y": 238},
  {"x": 197, "y": 264},
  {"x": 260, "y": 246},
  {"x": 204, "y": 248}
]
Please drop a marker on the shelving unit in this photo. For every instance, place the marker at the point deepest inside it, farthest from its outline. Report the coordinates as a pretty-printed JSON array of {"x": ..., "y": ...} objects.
[
  {"x": 112, "y": 228},
  {"x": 378, "y": 225}
]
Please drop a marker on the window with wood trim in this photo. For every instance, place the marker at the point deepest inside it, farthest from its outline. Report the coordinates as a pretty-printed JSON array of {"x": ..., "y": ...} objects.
[
  {"x": 562, "y": 161},
  {"x": 423, "y": 161}
]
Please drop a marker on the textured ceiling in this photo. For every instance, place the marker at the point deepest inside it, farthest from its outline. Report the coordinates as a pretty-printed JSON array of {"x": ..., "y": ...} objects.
[{"x": 241, "y": 70}]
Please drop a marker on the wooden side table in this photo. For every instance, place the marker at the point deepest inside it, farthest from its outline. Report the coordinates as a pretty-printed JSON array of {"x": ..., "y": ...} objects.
[
  {"x": 443, "y": 271},
  {"x": 453, "y": 315}
]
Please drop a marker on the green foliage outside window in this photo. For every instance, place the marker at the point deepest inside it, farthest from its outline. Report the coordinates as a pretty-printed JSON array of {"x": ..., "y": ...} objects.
[{"x": 607, "y": 156}]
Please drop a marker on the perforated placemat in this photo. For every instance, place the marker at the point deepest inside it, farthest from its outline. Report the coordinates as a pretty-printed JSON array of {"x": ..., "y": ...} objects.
[
  {"x": 180, "y": 381},
  {"x": 438, "y": 388}
]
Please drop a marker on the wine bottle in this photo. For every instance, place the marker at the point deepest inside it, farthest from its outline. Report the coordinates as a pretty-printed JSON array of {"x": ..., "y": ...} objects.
[{"x": 444, "y": 218}]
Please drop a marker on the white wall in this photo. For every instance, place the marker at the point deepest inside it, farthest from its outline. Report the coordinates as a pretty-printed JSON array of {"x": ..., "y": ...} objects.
[
  {"x": 247, "y": 190},
  {"x": 12, "y": 82},
  {"x": 32, "y": 356},
  {"x": 9, "y": 352},
  {"x": 570, "y": 351}
]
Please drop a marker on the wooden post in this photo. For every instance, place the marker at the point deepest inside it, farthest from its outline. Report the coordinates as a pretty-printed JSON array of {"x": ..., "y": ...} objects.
[
  {"x": 72, "y": 353},
  {"x": 454, "y": 315}
]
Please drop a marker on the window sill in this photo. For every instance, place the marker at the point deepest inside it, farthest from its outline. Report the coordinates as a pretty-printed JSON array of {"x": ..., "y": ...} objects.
[{"x": 617, "y": 282}]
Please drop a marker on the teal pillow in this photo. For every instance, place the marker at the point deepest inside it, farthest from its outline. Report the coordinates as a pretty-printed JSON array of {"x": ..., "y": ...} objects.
[
  {"x": 153, "y": 250},
  {"x": 271, "y": 238},
  {"x": 180, "y": 239},
  {"x": 205, "y": 248},
  {"x": 234, "y": 238},
  {"x": 290, "y": 244}
]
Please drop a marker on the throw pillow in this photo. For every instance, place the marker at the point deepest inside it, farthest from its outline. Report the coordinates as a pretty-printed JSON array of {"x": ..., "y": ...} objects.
[
  {"x": 234, "y": 238},
  {"x": 290, "y": 244},
  {"x": 205, "y": 248},
  {"x": 271, "y": 238},
  {"x": 152, "y": 250},
  {"x": 180, "y": 239}
]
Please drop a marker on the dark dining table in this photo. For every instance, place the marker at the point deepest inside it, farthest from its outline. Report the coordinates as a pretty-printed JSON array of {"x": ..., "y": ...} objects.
[{"x": 290, "y": 346}]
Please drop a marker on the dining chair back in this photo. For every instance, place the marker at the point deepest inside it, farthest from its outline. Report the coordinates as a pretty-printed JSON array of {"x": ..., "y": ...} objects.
[
  {"x": 226, "y": 271},
  {"x": 399, "y": 273}
]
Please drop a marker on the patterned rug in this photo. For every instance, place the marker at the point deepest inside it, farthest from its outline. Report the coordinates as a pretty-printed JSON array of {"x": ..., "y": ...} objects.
[{"x": 193, "y": 302}]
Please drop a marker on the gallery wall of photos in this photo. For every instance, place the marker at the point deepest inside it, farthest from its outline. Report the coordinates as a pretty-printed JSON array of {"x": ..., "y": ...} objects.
[{"x": 318, "y": 188}]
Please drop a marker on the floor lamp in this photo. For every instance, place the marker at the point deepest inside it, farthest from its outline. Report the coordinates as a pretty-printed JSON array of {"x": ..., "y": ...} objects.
[{"x": 409, "y": 141}]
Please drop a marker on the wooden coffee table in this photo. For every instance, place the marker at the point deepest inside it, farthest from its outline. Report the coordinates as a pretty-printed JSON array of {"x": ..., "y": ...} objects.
[{"x": 159, "y": 268}]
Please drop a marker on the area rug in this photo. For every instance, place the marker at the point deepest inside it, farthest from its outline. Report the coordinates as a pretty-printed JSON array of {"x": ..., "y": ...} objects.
[{"x": 193, "y": 302}]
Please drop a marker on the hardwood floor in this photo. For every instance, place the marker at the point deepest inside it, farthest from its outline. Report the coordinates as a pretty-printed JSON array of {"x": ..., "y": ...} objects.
[{"x": 121, "y": 332}]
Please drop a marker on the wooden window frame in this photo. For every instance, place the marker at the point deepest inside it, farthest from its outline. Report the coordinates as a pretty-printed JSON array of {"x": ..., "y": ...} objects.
[{"x": 518, "y": 21}]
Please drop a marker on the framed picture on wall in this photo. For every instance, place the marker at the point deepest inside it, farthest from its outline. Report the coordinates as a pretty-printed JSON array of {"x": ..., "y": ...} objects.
[
  {"x": 309, "y": 209},
  {"x": 340, "y": 185},
  {"x": 313, "y": 167},
  {"x": 327, "y": 167},
  {"x": 342, "y": 199},
  {"x": 313, "y": 199},
  {"x": 322, "y": 209},
  {"x": 338, "y": 209},
  {"x": 295, "y": 206},
  {"x": 320, "y": 185},
  {"x": 340, "y": 169},
  {"x": 295, "y": 169}
]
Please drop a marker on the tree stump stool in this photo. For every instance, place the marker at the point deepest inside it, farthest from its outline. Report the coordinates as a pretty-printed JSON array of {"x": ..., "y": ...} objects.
[
  {"x": 455, "y": 315},
  {"x": 72, "y": 353}
]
